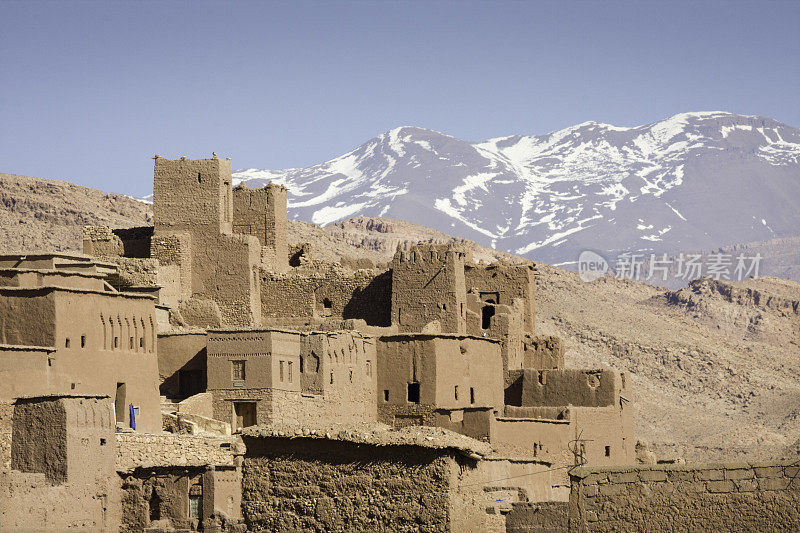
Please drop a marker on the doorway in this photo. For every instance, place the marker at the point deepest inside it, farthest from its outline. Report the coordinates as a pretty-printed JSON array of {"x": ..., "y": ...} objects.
[
  {"x": 119, "y": 404},
  {"x": 244, "y": 415}
]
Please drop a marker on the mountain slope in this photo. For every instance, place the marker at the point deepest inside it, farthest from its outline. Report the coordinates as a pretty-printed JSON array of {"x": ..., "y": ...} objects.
[{"x": 693, "y": 181}]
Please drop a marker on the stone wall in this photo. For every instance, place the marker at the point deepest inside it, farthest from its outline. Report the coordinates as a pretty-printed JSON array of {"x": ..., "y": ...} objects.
[
  {"x": 305, "y": 484},
  {"x": 334, "y": 293},
  {"x": 505, "y": 283},
  {"x": 262, "y": 213},
  {"x": 428, "y": 287},
  {"x": 137, "y": 450},
  {"x": 708, "y": 497}
]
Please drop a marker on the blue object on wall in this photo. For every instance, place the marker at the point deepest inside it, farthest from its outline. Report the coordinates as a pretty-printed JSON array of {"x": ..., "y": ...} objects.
[{"x": 133, "y": 417}]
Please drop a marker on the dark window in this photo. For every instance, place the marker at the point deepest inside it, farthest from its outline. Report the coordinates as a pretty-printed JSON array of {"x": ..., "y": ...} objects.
[
  {"x": 199, "y": 178},
  {"x": 301, "y": 364},
  {"x": 102, "y": 442},
  {"x": 289, "y": 370},
  {"x": 116, "y": 342},
  {"x": 326, "y": 303},
  {"x": 471, "y": 395},
  {"x": 541, "y": 377},
  {"x": 413, "y": 392},
  {"x": 386, "y": 395},
  {"x": 486, "y": 316},
  {"x": 83, "y": 341},
  {"x": 608, "y": 451},
  {"x": 155, "y": 507},
  {"x": 331, "y": 378},
  {"x": 351, "y": 376},
  {"x": 66, "y": 343},
  {"x": 119, "y": 403},
  {"x": 455, "y": 392},
  {"x": 130, "y": 344},
  {"x": 238, "y": 370}
]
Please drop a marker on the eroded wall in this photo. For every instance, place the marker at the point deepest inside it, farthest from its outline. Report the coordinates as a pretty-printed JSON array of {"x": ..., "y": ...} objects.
[
  {"x": 721, "y": 497},
  {"x": 428, "y": 289},
  {"x": 298, "y": 484}
]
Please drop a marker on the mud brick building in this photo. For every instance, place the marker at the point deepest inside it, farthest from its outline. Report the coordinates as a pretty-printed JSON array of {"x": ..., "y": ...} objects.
[
  {"x": 261, "y": 376},
  {"x": 65, "y": 330}
]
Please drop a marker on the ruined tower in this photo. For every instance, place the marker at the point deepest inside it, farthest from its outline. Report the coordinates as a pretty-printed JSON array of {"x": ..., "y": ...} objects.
[
  {"x": 428, "y": 287},
  {"x": 206, "y": 270},
  {"x": 262, "y": 213}
]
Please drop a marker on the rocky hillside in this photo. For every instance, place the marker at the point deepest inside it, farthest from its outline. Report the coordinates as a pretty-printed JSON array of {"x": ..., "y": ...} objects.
[
  {"x": 716, "y": 364},
  {"x": 39, "y": 214}
]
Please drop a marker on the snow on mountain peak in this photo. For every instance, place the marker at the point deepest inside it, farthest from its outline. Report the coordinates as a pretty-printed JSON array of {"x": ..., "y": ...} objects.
[{"x": 545, "y": 194}]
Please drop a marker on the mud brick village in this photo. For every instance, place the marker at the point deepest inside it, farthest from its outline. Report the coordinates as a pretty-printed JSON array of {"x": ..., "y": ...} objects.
[{"x": 204, "y": 374}]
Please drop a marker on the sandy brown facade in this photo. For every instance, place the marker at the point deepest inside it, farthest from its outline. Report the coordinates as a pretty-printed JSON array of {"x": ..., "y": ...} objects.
[
  {"x": 260, "y": 376},
  {"x": 66, "y": 331}
]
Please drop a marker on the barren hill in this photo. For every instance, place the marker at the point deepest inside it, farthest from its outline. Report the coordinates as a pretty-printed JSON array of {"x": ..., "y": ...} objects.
[
  {"x": 716, "y": 365},
  {"x": 41, "y": 214}
]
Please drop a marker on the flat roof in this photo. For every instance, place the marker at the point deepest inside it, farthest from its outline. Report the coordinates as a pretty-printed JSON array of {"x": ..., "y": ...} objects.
[
  {"x": 424, "y": 336},
  {"x": 255, "y": 329},
  {"x": 54, "y": 288},
  {"x": 25, "y": 348},
  {"x": 377, "y": 434}
]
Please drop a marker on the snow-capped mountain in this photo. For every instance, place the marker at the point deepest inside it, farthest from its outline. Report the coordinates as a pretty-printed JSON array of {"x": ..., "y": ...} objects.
[{"x": 692, "y": 181}]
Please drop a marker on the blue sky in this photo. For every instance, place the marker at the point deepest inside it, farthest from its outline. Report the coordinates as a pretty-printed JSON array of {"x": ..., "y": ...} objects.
[{"x": 89, "y": 91}]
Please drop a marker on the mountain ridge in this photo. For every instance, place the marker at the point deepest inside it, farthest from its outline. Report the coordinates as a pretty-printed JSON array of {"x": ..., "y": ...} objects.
[{"x": 692, "y": 181}]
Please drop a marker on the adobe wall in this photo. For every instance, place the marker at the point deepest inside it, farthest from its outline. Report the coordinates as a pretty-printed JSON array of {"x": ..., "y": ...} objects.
[
  {"x": 23, "y": 372},
  {"x": 540, "y": 517},
  {"x": 440, "y": 364},
  {"x": 334, "y": 293},
  {"x": 160, "y": 498},
  {"x": 702, "y": 497},
  {"x": 112, "y": 340},
  {"x": 102, "y": 241},
  {"x": 62, "y": 454},
  {"x": 6, "y": 416},
  {"x": 428, "y": 286},
  {"x": 560, "y": 387},
  {"x": 262, "y": 214},
  {"x": 543, "y": 352},
  {"x": 192, "y": 195},
  {"x": 294, "y": 484},
  {"x": 164, "y": 450},
  {"x": 68, "y": 439},
  {"x": 509, "y": 282},
  {"x": 28, "y": 502},
  {"x": 194, "y": 241},
  {"x": 336, "y": 379},
  {"x": 181, "y": 355},
  {"x": 27, "y": 317}
]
